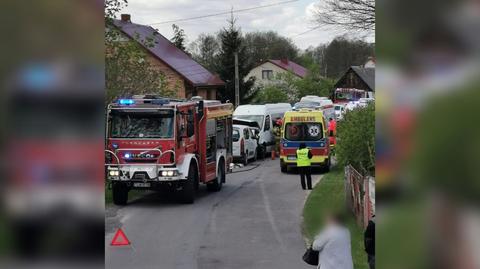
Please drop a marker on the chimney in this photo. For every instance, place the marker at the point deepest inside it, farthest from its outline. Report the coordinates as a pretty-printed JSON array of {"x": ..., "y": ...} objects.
[
  {"x": 125, "y": 17},
  {"x": 284, "y": 61}
]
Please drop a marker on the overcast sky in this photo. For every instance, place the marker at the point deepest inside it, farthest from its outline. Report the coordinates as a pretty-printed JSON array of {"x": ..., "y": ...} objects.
[{"x": 289, "y": 19}]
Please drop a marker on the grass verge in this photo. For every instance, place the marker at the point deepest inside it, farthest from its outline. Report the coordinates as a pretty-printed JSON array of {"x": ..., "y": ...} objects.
[{"x": 329, "y": 196}]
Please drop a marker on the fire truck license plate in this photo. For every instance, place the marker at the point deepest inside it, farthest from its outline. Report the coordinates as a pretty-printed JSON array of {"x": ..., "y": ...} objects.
[
  {"x": 141, "y": 185},
  {"x": 291, "y": 158}
]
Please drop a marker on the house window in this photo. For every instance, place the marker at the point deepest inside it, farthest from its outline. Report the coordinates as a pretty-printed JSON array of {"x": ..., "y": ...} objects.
[{"x": 267, "y": 74}]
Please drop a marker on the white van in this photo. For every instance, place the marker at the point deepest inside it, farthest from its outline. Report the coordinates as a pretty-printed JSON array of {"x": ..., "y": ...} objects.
[
  {"x": 339, "y": 111},
  {"x": 244, "y": 143},
  {"x": 323, "y": 101},
  {"x": 266, "y": 116}
]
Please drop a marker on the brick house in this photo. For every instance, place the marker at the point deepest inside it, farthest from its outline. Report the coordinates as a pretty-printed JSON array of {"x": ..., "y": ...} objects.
[{"x": 181, "y": 71}]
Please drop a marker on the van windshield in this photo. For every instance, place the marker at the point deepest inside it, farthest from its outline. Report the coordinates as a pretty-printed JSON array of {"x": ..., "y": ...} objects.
[
  {"x": 303, "y": 131},
  {"x": 257, "y": 118}
]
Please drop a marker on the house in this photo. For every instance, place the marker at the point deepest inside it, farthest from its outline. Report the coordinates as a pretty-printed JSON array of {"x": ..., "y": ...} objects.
[
  {"x": 358, "y": 82},
  {"x": 180, "y": 70},
  {"x": 371, "y": 62},
  {"x": 268, "y": 70}
]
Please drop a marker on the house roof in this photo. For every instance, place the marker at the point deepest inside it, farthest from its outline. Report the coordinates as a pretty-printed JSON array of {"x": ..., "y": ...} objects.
[
  {"x": 164, "y": 50},
  {"x": 290, "y": 66},
  {"x": 366, "y": 74}
]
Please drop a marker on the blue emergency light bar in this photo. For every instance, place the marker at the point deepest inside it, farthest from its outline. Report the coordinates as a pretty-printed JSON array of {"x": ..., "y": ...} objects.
[{"x": 126, "y": 101}]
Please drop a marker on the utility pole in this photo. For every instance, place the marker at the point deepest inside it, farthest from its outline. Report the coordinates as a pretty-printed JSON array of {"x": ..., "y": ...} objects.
[{"x": 237, "y": 84}]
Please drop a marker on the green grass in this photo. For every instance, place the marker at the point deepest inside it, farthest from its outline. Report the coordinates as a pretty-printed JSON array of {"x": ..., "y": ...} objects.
[{"x": 329, "y": 196}]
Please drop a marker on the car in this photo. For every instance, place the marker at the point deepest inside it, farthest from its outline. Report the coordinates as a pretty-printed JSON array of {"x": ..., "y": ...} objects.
[
  {"x": 351, "y": 105},
  {"x": 245, "y": 142},
  {"x": 266, "y": 116},
  {"x": 339, "y": 111},
  {"x": 363, "y": 102}
]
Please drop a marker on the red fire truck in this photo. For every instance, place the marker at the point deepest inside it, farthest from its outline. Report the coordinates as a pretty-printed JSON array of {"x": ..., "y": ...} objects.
[{"x": 158, "y": 143}]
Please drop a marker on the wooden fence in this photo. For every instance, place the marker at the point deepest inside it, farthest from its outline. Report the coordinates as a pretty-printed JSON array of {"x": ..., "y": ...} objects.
[{"x": 360, "y": 195}]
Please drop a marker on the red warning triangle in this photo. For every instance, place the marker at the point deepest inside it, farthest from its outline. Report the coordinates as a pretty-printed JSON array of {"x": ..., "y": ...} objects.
[{"x": 120, "y": 239}]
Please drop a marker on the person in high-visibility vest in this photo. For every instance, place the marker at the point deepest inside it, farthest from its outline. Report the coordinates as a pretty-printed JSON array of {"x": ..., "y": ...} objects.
[{"x": 303, "y": 163}]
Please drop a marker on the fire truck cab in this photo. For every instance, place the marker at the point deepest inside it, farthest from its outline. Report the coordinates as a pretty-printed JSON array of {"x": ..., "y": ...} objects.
[{"x": 156, "y": 143}]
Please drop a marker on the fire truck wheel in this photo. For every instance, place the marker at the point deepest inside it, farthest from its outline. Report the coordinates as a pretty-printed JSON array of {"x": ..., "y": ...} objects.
[
  {"x": 187, "y": 194},
  {"x": 216, "y": 184},
  {"x": 120, "y": 193}
]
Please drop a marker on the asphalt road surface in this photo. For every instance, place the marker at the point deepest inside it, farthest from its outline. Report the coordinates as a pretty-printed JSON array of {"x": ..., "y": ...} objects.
[{"x": 253, "y": 222}]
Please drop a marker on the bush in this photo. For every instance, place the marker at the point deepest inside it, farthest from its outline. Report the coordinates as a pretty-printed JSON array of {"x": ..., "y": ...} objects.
[
  {"x": 271, "y": 94},
  {"x": 289, "y": 88},
  {"x": 356, "y": 140}
]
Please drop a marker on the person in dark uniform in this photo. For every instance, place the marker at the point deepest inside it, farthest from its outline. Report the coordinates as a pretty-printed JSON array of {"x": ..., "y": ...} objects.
[
  {"x": 304, "y": 166},
  {"x": 369, "y": 241}
]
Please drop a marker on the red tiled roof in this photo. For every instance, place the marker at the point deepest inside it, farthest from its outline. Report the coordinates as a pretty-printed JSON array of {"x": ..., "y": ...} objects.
[
  {"x": 291, "y": 66},
  {"x": 163, "y": 49}
]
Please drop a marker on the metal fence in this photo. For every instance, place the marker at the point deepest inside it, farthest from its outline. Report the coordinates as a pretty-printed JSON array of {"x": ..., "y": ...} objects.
[{"x": 360, "y": 195}]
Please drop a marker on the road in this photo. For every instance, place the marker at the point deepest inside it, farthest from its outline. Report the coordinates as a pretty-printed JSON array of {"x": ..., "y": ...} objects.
[{"x": 253, "y": 222}]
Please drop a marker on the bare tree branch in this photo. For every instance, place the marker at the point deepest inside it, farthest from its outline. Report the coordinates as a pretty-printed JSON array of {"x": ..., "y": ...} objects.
[{"x": 357, "y": 15}]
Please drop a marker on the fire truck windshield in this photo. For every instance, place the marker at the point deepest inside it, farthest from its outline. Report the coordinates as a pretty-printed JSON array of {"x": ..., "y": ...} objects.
[{"x": 142, "y": 125}]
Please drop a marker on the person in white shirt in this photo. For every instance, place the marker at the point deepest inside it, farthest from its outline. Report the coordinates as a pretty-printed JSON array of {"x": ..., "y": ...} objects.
[{"x": 333, "y": 244}]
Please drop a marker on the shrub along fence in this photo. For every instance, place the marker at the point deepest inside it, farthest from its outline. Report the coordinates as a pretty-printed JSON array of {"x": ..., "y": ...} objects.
[{"x": 360, "y": 195}]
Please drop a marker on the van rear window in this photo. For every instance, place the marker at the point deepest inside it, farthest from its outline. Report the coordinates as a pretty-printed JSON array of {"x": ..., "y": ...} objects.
[{"x": 303, "y": 131}]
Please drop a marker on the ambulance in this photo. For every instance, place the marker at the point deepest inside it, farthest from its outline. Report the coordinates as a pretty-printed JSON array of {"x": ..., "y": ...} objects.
[{"x": 305, "y": 126}]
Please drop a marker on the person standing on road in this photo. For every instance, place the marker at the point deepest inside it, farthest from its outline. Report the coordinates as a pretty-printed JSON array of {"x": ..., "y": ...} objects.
[
  {"x": 332, "y": 127},
  {"x": 369, "y": 241},
  {"x": 332, "y": 131},
  {"x": 333, "y": 245},
  {"x": 303, "y": 163}
]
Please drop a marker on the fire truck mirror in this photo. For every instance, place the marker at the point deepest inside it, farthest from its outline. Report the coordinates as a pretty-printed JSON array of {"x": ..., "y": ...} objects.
[
  {"x": 190, "y": 124},
  {"x": 200, "y": 109},
  {"x": 182, "y": 130}
]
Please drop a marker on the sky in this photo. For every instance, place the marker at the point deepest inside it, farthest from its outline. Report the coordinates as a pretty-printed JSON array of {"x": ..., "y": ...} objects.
[{"x": 291, "y": 19}]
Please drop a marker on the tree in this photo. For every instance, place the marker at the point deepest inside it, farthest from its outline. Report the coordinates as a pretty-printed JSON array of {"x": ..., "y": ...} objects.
[
  {"x": 127, "y": 68},
  {"x": 231, "y": 41},
  {"x": 334, "y": 58},
  {"x": 314, "y": 85},
  {"x": 287, "y": 87},
  {"x": 356, "y": 136},
  {"x": 179, "y": 37},
  {"x": 271, "y": 94},
  {"x": 205, "y": 50},
  {"x": 342, "y": 53},
  {"x": 356, "y": 15},
  {"x": 261, "y": 46}
]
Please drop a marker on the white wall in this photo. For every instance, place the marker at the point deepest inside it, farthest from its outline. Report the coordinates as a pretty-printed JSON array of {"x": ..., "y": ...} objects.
[{"x": 257, "y": 73}]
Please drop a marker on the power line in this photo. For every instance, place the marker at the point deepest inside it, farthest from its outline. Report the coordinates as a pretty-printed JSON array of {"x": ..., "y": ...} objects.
[
  {"x": 306, "y": 32},
  {"x": 224, "y": 13}
]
